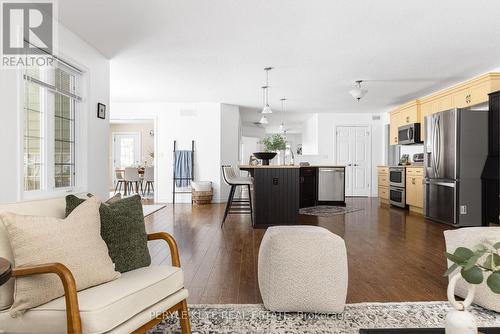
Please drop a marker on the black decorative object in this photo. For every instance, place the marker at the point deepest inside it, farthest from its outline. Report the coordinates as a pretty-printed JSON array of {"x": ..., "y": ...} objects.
[
  {"x": 101, "y": 111},
  {"x": 265, "y": 156}
]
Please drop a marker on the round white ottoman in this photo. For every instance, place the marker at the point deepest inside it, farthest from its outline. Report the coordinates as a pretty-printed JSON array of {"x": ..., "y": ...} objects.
[{"x": 302, "y": 269}]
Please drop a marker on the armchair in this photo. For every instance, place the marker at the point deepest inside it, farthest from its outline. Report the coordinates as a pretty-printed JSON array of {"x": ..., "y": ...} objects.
[{"x": 174, "y": 301}]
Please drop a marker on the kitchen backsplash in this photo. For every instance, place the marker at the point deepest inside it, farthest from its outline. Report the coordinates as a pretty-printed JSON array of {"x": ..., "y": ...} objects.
[{"x": 411, "y": 150}]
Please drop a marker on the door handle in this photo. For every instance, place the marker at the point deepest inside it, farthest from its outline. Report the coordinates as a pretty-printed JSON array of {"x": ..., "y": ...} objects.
[{"x": 356, "y": 165}]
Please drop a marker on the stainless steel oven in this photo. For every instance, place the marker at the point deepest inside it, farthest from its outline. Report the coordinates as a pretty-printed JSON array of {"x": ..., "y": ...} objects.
[
  {"x": 397, "y": 196},
  {"x": 397, "y": 177}
]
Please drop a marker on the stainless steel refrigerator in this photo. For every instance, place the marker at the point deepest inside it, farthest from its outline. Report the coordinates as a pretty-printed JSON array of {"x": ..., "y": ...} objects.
[{"x": 455, "y": 150}]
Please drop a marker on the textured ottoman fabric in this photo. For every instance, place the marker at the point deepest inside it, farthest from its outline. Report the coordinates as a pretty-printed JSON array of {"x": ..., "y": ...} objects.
[
  {"x": 302, "y": 269},
  {"x": 470, "y": 237}
]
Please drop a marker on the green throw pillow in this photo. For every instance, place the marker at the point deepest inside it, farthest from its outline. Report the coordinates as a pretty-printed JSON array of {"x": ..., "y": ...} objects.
[{"x": 123, "y": 230}]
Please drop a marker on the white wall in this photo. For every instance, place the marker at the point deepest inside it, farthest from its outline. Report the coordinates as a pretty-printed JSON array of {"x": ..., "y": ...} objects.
[
  {"x": 229, "y": 141},
  {"x": 201, "y": 122},
  {"x": 325, "y": 130},
  {"x": 96, "y": 89},
  {"x": 310, "y": 135}
]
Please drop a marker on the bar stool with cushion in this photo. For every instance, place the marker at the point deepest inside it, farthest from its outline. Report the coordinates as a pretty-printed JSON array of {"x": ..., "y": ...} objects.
[
  {"x": 149, "y": 179},
  {"x": 132, "y": 177},
  {"x": 240, "y": 205}
]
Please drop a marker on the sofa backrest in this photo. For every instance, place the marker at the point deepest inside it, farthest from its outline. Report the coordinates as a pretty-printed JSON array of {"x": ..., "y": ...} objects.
[{"x": 54, "y": 207}]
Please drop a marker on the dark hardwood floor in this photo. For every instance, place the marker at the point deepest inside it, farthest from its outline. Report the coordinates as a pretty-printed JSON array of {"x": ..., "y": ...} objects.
[{"x": 392, "y": 255}]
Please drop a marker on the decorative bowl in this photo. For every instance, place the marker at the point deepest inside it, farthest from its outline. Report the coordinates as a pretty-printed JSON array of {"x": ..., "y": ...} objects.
[{"x": 265, "y": 157}]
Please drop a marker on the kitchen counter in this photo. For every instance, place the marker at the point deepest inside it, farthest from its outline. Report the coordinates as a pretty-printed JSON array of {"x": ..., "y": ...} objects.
[
  {"x": 279, "y": 191},
  {"x": 245, "y": 167}
]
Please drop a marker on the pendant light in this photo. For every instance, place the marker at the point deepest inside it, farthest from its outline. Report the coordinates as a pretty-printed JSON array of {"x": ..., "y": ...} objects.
[
  {"x": 358, "y": 92},
  {"x": 282, "y": 125},
  {"x": 266, "y": 108},
  {"x": 264, "y": 120}
]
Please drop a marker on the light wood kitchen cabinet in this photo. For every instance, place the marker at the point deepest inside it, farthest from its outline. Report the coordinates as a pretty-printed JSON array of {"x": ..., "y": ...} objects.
[
  {"x": 405, "y": 114},
  {"x": 410, "y": 114},
  {"x": 466, "y": 94},
  {"x": 415, "y": 188},
  {"x": 460, "y": 98},
  {"x": 479, "y": 93},
  {"x": 395, "y": 117},
  {"x": 383, "y": 184}
]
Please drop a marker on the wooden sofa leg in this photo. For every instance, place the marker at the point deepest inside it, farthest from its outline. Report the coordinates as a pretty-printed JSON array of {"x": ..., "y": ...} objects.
[{"x": 184, "y": 318}]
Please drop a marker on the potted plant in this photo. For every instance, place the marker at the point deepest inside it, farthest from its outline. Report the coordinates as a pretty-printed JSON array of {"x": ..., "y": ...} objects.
[
  {"x": 475, "y": 265},
  {"x": 272, "y": 145}
]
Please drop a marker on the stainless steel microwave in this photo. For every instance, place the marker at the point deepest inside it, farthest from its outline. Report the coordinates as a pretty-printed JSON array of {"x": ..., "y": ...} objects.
[{"x": 409, "y": 134}]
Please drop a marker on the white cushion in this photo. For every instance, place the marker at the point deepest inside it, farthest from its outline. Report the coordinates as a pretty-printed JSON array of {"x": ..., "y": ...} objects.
[
  {"x": 53, "y": 207},
  {"x": 106, "y": 307},
  {"x": 470, "y": 237},
  {"x": 75, "y": 242},
  {"x": 302, "y": 269}
]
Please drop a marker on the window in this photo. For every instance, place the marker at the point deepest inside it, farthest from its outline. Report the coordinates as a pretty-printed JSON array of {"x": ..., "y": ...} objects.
[{"x": 50, "y": 113}]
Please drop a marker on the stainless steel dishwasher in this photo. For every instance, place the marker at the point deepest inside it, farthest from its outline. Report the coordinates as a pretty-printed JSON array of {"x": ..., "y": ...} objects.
[{"x": 331, "y": 184}]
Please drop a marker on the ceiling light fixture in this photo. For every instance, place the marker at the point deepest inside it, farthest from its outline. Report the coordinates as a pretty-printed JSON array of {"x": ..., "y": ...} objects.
[
  {"x": 264, "y": 120},
  {"x": 358, "y": 92},
  {"x": 266, "y": 109},
  {"x": 282, "y": 125}
]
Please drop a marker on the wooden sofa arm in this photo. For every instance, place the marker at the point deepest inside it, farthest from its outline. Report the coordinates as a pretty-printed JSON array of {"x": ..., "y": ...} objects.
[
  {"x": 72, "y": 310},
  {"x": 174, "y": 251}
]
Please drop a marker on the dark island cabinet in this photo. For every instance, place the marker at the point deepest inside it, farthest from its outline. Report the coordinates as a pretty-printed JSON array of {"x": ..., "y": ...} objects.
[
  {"x": 308, "y": 186},
  {"x": 276, "y": 199}
]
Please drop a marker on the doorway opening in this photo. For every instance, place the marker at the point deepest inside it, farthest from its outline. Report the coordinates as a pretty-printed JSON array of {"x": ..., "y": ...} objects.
[{"x": 132, "y": 158}]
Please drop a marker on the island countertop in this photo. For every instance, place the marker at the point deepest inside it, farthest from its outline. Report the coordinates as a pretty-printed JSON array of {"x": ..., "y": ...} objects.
[{"x": 288, "y": 166}]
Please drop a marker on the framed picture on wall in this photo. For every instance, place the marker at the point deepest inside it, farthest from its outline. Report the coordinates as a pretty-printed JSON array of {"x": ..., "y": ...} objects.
[{"x": 101, "y": 110}]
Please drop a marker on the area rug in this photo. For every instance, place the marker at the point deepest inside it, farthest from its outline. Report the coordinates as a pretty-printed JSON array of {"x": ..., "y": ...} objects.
[
  {"x": 327, "y": 210},
  {"x": 253, "y": 318},
  {"x": 148, "y": 209}
]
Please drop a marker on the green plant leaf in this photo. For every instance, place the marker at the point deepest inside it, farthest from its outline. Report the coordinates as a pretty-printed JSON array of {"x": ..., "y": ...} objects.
[
  {"x": 496, "y": 259},
  {"x": 473, "y": 275},
  {"x": 472, "y": 261},
  {"x": 487, "y": 262},
  {"x": 451, "y": 269},
  {"x": 464, "y": 253},
  {"x": 494, "y": 282},
  {"x": 497, "y": 245},
  {"x": 455, "y": 259}
]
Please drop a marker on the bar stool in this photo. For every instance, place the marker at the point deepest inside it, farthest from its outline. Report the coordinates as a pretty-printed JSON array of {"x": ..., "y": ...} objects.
[{"x": 237, "y": 206}]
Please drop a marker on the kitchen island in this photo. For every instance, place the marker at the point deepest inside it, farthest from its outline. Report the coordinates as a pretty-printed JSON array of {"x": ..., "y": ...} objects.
[{"x": 279, "y": 191}]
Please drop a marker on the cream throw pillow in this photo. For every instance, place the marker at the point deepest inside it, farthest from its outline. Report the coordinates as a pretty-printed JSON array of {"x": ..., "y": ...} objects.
[{"x": 75, "y": 242}]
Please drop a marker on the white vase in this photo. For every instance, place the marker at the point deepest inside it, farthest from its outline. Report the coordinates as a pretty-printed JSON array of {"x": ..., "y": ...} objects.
[{"x": 459, "y": 320}]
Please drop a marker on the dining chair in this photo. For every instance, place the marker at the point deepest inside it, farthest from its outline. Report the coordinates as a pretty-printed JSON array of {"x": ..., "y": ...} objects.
[
  {"x": 119, "y": 181},
  {"x": 132, "y": 177},
  {"x": 149, "y": 179}
]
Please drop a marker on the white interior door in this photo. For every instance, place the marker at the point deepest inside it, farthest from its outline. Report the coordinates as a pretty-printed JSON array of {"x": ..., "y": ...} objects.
[
  {"x": 126, "y": 150},
  {"x": 353, "y": 151}
]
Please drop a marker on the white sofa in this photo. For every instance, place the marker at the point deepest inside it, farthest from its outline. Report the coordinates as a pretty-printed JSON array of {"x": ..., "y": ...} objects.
[{"x": 135, "y": 302}]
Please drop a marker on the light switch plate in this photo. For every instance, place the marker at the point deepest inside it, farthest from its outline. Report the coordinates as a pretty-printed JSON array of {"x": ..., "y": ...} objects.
[{"x": 463, "y": 209}]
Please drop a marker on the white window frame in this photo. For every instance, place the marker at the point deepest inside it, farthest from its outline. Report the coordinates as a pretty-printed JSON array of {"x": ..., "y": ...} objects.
[{"x": 81, "y": 147}]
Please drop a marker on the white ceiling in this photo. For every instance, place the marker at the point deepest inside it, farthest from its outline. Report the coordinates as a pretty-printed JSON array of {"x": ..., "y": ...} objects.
[{"x": 214, "y": 51}]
